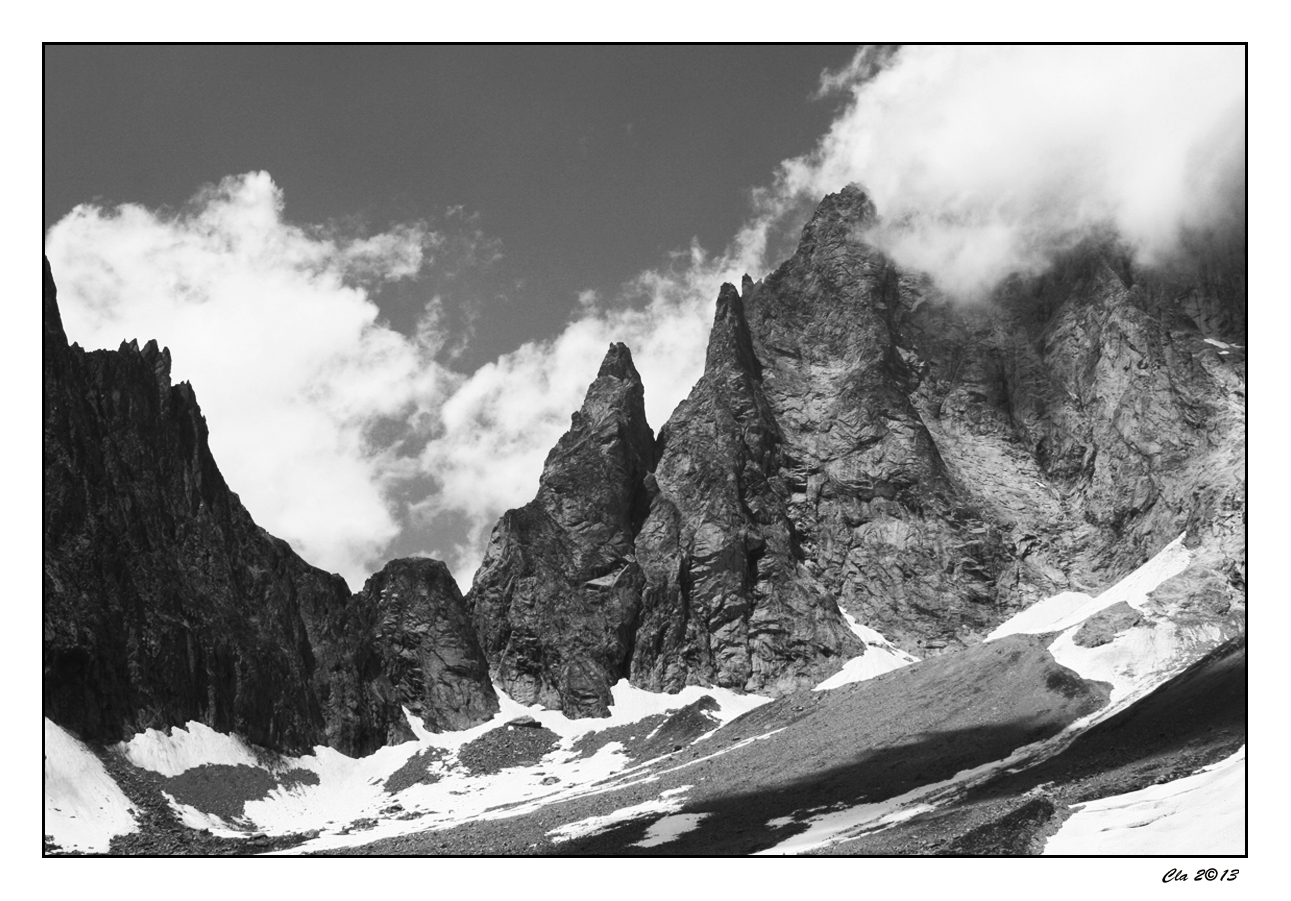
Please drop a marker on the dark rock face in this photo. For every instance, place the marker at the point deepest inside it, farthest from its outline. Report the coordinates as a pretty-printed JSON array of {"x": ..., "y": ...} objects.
[
  {"x": 163, "y": 601},
  {"x": 427, "y": 645},
  {"x": 556, "y": 598},
  {"x": 728, "y": 600}
]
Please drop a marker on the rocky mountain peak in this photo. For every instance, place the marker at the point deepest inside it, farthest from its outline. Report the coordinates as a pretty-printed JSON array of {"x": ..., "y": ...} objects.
[
  {"x": 841, "y": 214},
  {"x": 427, "y": 644},
  {"x": 555, "y": 600},
  {"x": 164, "y": 602},
  {"x": 729, "y": 344},
  {"x": 618, "y": 364}
]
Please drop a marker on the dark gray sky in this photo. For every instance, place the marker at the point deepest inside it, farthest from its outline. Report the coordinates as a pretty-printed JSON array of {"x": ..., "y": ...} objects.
[{"x": 585, "y": 164}]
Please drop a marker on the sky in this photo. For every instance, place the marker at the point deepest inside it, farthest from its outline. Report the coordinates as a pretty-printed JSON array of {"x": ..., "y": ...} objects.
[{"x": 391, "y": 274}]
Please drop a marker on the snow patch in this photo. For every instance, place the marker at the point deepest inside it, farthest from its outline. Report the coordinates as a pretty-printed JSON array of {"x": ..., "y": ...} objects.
[
  {"x": 874, "y": 662},
  {"x": 881, "y": 656},
  {"x": 198, "y": 819},
  {"x": 1203, "y": 814},
  {"x": 84, "y": 807},
  {"x": 668, "y": 802},
  {"x": 185, "y": 748},
  {"x": 1137, "y": 660},
  {"x": 831, "y": 828},
  {"x": 1070, "y": 608},
  {"x": 669, "y": 828},
  {"x": 1220, "y": 344}
]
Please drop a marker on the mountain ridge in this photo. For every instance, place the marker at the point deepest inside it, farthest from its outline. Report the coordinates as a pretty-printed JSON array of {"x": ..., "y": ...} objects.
[{"x": 866, "y": 470}]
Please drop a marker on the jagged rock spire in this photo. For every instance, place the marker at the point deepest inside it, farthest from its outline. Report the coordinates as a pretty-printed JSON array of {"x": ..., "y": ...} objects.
[{"x": 556, "y": 598}]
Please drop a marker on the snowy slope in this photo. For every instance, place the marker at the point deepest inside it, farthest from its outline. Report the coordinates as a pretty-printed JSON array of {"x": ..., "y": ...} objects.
[
  {"x": 84, "y": 808},
  {"x": 881, "y": 656},
  {"x": 350, "y": 790},
  {"x": 1202, "y": 814}
]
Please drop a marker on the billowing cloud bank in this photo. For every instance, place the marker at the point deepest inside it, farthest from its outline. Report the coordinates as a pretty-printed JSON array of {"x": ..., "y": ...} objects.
[
  {"x": 984, "y": 161},
  {"x": 342, "y": 434},
  {"x": 313, "y": 402}
]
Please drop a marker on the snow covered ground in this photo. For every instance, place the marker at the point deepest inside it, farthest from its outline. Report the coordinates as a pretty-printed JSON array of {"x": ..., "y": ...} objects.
[
  {"x": 185, "y": 748},
  {"x": 84, "y": 808},
  {"x": 350, "y": 789},
  {"x": 881, "y": 656},
  {"x": 1202, "y": 814}
]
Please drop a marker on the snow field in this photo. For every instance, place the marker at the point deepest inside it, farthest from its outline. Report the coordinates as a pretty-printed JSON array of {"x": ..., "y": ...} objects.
[
  {"x": 1070, "y": 608},
  {"x": 1135, "y": 662},
  {"x": 1201, "y": 814},
  {"x": 84, "y": 807},
  {"x": 881, "y": 656},
  {"x": 185, "y": 748},
  {"x": 350, "y": 790}
]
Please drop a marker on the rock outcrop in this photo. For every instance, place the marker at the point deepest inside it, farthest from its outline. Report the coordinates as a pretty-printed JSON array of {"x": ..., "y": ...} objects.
[
  {"x": 556, "y": 599},
  {"x": 427, "y": 644},
  {"x": 728, "y": 600},
  {"x": 881, "y": 524},
  {"x": 164, "y": 602}
]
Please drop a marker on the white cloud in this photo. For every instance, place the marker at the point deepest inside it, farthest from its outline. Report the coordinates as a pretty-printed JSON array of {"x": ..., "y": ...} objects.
[
  {"x": 270, "y": 323},
  {"x": 982, "y": 161}
]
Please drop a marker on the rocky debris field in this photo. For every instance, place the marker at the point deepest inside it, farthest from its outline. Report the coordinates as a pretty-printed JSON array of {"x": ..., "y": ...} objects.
[
  {"x": 419, "y": 770},
  {"x": 224, "y": 789},
  {"x": 515, "y": 744}
]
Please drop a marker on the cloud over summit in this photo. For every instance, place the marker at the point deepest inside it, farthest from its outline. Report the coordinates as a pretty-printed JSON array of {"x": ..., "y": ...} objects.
[{"x": 984, "y": 161}]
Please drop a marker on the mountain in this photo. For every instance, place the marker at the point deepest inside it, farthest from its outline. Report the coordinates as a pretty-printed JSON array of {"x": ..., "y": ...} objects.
[
  {"x": 903, "y": 574},
  {"x": 860, "y": 446},
  {"x": 164, "y": 603},
  {"x": 557, "y": 595}
]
